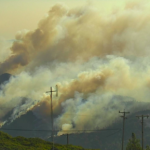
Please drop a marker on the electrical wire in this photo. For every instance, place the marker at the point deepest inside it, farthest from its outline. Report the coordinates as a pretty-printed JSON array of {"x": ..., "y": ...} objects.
[{"x": 57, "y": 130}]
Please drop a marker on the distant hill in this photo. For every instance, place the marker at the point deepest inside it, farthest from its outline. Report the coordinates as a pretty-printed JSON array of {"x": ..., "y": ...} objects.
[
  {"x": 4, "y": 78},
  {"x": 111, "y": 140},
  {"x": 105, "y": 140},
  {"x": 25, "y": 122},
  {"x": 20, "y": 143}
]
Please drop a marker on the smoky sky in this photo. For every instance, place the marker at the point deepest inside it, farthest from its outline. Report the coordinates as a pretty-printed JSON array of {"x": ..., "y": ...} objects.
[{"x": 97, "y": 60}]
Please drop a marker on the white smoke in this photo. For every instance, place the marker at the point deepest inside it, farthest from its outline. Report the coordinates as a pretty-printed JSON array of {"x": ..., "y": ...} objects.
[{"x": 99, "y": 62}]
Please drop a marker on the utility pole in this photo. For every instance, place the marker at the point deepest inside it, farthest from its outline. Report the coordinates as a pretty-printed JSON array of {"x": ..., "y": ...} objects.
[
  {"x": 124, "y": 117},
  {"x": 67, "y": 139},
  {"x": 51, "y": 91},
  {"x": 142, "y": 116}
]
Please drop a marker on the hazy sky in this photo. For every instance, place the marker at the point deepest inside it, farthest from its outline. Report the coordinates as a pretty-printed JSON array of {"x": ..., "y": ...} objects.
[{"x": 25, "y": 14}]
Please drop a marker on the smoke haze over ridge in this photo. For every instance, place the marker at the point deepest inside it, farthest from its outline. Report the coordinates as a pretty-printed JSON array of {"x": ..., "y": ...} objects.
[{"x": 98, "y": 61}]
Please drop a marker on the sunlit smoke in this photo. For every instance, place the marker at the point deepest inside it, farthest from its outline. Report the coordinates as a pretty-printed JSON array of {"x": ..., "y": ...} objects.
[{"x": 99, "y": 61}]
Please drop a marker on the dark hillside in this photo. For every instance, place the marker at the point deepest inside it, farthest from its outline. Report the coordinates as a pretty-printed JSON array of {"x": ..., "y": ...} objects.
[
  {"x": 110, "y": 140},
  {"x": 27, "y": 121},
  {"x": 20, "y": 143}
]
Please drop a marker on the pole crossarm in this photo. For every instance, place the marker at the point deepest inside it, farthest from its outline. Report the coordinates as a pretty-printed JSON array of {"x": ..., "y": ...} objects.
[
  {"x": 51, "y": 91},
  {"x": 144, "y": 116},
  {"x": 124, "y": 112}
]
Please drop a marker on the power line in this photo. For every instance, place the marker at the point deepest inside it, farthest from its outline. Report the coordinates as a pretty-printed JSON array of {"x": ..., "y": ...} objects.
[
  {"x": 118, "y": 130},
  {"x": 58, "y": 130},
  {"x": 113, "y": 133},
  {"x": 75, "y": 114}
]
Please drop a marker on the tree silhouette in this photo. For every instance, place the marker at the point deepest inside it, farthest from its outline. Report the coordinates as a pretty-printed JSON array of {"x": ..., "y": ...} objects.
[
  {"x": 147, "y": 148},
  {"x": 134, "y": 143}
]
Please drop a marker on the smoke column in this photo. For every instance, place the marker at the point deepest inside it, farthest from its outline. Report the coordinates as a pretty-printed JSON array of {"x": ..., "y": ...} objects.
[{"x": 99, "y": 61}]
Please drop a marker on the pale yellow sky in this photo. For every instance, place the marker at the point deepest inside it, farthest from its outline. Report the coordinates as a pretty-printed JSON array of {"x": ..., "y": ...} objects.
[{"x": 25, "y": 14}]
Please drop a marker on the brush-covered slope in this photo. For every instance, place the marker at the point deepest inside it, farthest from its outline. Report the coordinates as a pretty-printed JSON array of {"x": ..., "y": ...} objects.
[{"x": 20, "y": 143}]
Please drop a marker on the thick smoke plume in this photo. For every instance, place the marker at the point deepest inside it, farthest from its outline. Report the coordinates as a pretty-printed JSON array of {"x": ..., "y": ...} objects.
[{"x": 99, "y": 61}]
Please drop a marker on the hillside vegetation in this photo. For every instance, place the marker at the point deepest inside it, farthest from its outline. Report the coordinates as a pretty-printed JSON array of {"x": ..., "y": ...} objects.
[{"x": 21, "y": 143}]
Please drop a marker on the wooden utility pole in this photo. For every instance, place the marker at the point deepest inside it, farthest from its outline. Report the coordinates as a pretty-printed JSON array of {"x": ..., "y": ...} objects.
[
  {"x": 124, "y": 117},
  {"x": 67, "y": 139},
  {"x": 142, "y": 117},
  {"x": 51, "y": 91}
]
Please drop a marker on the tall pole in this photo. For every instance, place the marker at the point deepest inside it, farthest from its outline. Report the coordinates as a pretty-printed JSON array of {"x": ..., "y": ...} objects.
[
  {"x": 142, "y": 133},
  {"x": 142, "y": 116},
  {"x": 52, "y": 116},
  {"x": 51, "y": 91},
  {"x": 67, "y": 139},
  {"x": 124, "y": 117}
]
